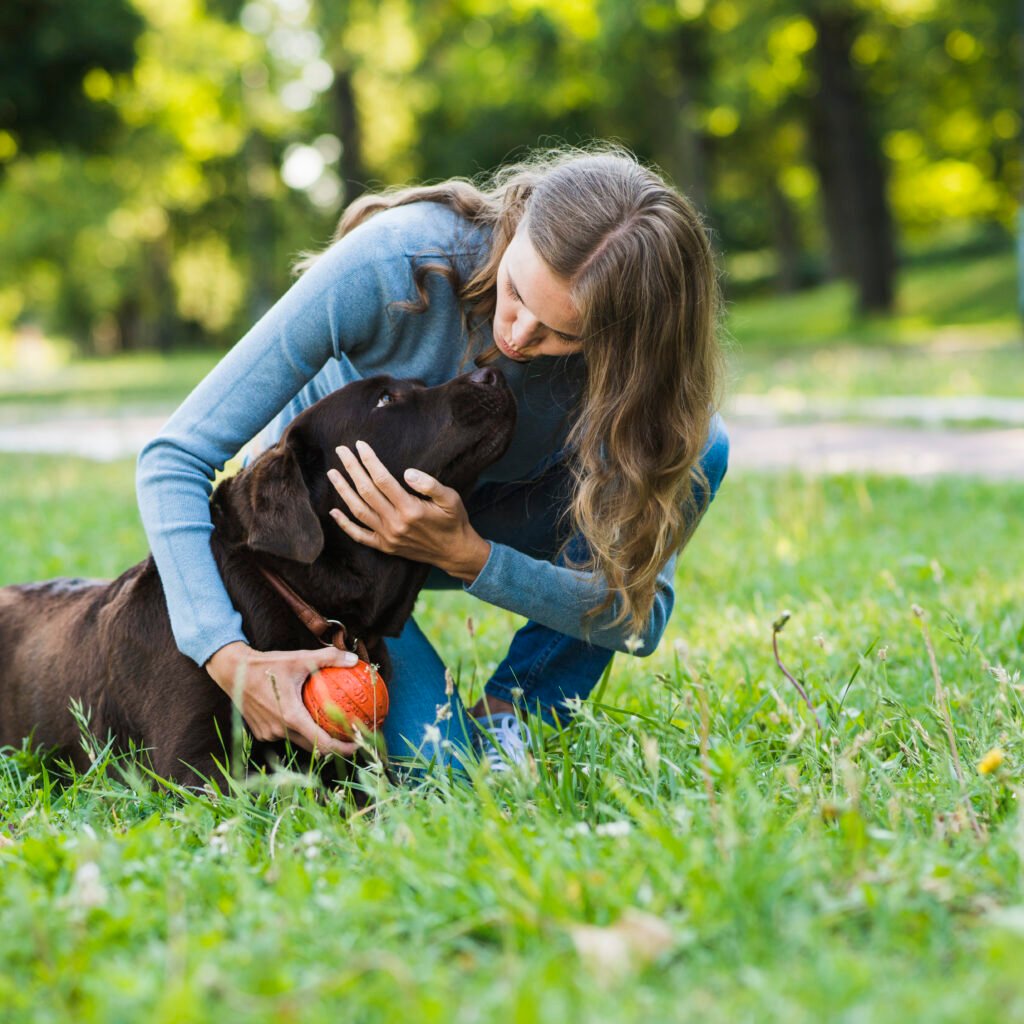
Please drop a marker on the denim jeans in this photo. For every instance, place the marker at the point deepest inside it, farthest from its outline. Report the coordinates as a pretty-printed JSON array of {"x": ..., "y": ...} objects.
[{"x": 543, "y": 667}]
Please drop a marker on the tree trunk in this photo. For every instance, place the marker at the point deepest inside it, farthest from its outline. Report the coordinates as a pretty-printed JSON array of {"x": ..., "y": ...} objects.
[
  {"x": 352, "y": 170},
  {"x": 787, "y": 240},
  {"x": 690, "y": 154},
  {"x": 850, "y": 165},
  {"x": 260, "y": 229}
]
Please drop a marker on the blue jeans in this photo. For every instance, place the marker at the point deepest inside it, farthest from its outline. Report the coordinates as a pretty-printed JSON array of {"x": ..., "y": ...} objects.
[{"x": 543, "y": 667}]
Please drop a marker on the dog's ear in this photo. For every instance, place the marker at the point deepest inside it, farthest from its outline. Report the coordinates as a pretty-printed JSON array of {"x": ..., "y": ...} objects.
[{"x": 283, "y": 521}]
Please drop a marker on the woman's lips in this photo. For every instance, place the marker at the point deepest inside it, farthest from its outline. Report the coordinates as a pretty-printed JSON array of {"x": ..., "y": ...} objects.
[{"x": 506, "y": 349}]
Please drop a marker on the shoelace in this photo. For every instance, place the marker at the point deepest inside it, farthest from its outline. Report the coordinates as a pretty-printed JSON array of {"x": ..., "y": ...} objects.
[{"x": 506, "y": 742}]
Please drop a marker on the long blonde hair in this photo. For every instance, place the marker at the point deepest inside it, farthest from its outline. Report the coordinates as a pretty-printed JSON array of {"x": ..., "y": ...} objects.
[{"x": 644, "y": 281}]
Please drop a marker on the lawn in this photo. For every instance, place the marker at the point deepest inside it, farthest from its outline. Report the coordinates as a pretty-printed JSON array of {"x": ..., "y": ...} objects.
[
  {"x": 955, "y": 332},
  {"x": 691, "y": 847}
]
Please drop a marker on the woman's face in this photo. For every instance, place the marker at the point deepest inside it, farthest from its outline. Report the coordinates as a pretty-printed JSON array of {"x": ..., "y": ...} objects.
[{"x": 534, "y": 315}]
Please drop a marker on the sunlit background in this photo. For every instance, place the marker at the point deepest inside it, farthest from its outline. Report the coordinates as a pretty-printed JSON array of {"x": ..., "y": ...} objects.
[{"x": 162, "y": 163}]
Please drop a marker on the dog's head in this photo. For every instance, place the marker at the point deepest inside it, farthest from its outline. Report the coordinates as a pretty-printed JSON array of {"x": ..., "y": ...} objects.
[{"x": 451, "y": 432}]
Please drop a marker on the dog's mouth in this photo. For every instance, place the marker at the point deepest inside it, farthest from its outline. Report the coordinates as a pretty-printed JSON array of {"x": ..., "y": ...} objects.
[{"x": 463, "y": 469}]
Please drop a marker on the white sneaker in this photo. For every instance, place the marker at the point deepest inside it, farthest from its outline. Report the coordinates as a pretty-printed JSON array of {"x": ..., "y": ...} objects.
[{"x": 504, "y": 742}]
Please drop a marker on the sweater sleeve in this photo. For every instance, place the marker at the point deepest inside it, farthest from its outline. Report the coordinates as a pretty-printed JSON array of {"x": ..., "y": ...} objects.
[
  {"x": 557, "y": 597},
  {"x": 336, "y": 307}
]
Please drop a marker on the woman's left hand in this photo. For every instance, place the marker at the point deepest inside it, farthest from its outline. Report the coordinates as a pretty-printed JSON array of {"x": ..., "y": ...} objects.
[{"x": 429, "y": 526}]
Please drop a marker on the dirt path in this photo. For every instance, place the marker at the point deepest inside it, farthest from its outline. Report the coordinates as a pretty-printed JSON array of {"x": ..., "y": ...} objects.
[
  {"x": 761, "y": 443},
  {"x": 829, "y": 447}
]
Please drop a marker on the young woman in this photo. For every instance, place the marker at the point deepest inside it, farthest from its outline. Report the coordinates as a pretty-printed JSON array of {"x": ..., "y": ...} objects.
[{"x": 591, "y": 283}]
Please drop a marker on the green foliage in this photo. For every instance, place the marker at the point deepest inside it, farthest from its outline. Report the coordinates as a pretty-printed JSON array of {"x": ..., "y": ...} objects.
[
  {"x": 627, "y": 875},
  {"x": 241, "y": 128},
  {"x": 57, "y": 59}
]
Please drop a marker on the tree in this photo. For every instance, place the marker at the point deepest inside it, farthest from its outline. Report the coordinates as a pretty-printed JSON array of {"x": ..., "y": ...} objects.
[
  {"x": 56, "y": 58},
  {"x": 850, "y": 164}
]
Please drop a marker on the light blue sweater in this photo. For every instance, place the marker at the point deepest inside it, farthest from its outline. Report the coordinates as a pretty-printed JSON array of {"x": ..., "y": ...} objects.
[{"x": 336, "y": 324}]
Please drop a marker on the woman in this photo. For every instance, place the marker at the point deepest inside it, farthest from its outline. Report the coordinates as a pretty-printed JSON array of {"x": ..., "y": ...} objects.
[{"x": 592, "y": 285}]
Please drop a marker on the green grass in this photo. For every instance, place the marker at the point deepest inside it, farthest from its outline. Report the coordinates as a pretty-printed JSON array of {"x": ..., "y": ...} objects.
[
  {"x": 137, "y": 378},
  {"x": 966, "y": 299},
  {"x": 956, "y": 332},
  {"x": 822, "y": 877}
]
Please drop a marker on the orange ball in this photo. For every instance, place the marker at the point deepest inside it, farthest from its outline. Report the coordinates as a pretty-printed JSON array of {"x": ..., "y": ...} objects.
[{"x": 337, "y": 696}]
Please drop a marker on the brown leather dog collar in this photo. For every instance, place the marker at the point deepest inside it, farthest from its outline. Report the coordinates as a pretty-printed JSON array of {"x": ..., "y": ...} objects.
[{"x": 330, "y": 632}]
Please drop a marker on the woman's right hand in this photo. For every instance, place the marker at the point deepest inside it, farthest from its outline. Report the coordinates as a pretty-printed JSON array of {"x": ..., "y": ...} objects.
[{"x": 266, "y": 687}]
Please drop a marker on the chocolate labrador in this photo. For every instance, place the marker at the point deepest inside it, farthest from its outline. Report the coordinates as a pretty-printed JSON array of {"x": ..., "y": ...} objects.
[{"x": 109, "y": 643}]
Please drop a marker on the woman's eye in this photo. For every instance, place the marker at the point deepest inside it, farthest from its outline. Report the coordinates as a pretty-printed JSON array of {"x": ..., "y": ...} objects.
[{"x": 385, "y": 399}]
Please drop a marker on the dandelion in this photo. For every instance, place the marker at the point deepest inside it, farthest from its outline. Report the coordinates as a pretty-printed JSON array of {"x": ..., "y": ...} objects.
[
  {"x": 633, "y": 643},
  {"x": 432, "y": 735},
  {"x": 991, "y": 761}
]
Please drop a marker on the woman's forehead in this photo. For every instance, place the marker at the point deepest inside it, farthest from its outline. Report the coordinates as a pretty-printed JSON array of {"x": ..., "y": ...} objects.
[{"x": 543, "y": 292}]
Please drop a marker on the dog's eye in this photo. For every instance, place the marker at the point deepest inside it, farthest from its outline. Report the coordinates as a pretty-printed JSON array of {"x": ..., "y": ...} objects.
[{"x": 385, "y": 399}]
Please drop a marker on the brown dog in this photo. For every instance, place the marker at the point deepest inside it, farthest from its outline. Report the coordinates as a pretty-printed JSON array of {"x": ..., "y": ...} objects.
[{"x": 109, "y": 644}]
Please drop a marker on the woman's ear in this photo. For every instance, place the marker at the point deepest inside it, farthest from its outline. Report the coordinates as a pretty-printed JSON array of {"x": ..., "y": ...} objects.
[{"x": 283, "y": 521}]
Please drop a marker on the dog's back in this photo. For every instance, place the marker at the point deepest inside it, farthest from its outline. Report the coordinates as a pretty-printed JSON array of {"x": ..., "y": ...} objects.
[
  {"x": 108, "y": 645},
  {"x": 49, "y": 657}
]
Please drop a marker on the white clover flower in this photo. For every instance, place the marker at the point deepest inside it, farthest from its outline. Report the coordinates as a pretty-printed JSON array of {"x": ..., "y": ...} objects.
[
  {"x": 615, "y": 829},
  {"x": 87, "y": 890}
]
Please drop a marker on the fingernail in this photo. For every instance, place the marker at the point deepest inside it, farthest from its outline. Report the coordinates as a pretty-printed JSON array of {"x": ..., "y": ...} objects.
[
  {"x": 341, "y": 450},
  {"x": 414, "y": 476},
  {"x": 348, "y": 659},
  {"x": 362, "y": 446}
]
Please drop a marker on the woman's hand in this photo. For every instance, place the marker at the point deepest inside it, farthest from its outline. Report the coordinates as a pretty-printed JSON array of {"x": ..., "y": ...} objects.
[
  {"x": 429, "y": 526},
  {"x": 266, "y": 687}
]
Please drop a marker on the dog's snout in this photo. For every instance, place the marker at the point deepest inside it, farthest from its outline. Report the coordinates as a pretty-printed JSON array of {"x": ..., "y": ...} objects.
[{"x": 485, "y": 375}]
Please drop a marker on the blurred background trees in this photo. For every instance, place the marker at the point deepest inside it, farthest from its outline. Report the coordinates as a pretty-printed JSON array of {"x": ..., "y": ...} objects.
[{"x": 161, "y": 164}]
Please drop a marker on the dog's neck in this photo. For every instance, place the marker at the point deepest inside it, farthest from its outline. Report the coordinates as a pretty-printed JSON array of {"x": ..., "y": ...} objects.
[{"x": 371, "y": 593}]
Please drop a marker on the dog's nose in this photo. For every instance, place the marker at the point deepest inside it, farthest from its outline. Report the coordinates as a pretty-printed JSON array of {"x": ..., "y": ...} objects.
[{"x": 485, "y": 375}]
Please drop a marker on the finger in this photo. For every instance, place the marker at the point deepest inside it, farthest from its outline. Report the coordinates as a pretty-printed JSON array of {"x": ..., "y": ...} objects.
[
  {"x": 363, "y": 482},
  {"x": 354, "y": 530},
  {"x": 432, "y": 488},
  {"x": 356, "y": 506},
  {"x": 328, "y": 656},
  {"x": 381, "y": 475}
]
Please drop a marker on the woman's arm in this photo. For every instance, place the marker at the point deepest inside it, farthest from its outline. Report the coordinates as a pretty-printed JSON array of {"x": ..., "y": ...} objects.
[
  {"x": 436, "y": 529},
  {"x": 336, "y": 307},
  {"x": 557, "y": 597}
]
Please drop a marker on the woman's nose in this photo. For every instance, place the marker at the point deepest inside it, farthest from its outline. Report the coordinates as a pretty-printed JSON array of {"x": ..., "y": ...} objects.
[{"x": 524, "y": 329}]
